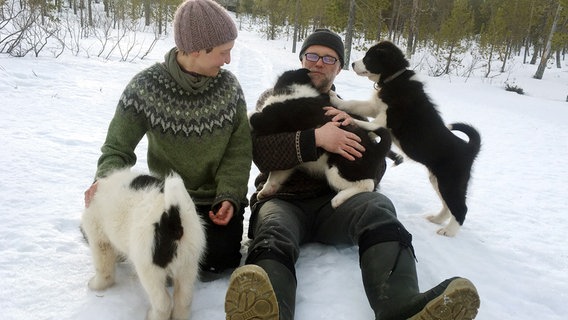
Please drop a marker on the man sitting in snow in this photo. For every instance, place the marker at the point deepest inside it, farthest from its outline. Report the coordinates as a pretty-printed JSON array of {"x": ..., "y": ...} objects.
[{"x": 301, "y": 212}]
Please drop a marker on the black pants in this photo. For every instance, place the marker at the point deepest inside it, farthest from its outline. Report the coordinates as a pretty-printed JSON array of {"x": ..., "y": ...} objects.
[
  {"x": 282, "y": 226},
  {"x": 223, "y": 249}
]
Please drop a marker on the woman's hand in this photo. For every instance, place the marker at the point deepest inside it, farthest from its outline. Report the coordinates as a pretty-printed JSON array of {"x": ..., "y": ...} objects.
[
  {"x": 90, "y": 193},
  {"x": 223, "y": 215}
]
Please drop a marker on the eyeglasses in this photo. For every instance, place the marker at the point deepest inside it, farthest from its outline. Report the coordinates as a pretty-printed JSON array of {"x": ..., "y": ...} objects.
[{"x": 314, "y": 57}]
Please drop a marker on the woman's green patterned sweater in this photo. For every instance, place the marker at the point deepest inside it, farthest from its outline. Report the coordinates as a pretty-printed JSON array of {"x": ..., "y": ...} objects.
[{"x": 196, "y": 126}]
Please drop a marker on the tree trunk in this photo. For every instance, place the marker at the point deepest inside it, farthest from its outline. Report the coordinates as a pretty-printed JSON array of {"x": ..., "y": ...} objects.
[
  {"x": 296, "y": 26},
  {"x": 412, "y": 29},
  {"x": 349, "y": 34},
  {"x": 394, "y": 15},
  {"x": 147, "y": 13},
  {"x": 546, "y": 54},
  {"x": 489, "y": 61},
  {"x": 379, "y": 27}
]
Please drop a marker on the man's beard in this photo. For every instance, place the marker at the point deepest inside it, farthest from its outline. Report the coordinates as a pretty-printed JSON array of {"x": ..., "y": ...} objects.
[{"x": 323, "y": 85}]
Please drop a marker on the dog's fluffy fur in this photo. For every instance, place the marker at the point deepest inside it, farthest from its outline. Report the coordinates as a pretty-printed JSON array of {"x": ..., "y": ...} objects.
[
  {"x": 154, "y": 223},
  {"x": 297, "y": 105},
  {"x": 417, "y": 128}
]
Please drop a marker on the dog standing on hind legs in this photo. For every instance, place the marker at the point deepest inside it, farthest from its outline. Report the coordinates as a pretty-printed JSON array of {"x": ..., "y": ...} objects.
[
  {"x": 154, "y": 223},
  {"x": 417, "y": 128}
]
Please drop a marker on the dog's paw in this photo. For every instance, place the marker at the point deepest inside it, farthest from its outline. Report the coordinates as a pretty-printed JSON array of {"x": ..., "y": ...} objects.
[
  {"x": 441, "y": 217},
  {"x": 335, "y": 100},
  {"x": 98, "y": 283},
  {"x": 266, "y": 191},
  {"x": 447, "y": 231},
  {"x": 154, "y": 314},
  {"x": 338, "y": 200},
  {"x": 451, "y": 229},
  {"x": 435, "y": 218}
]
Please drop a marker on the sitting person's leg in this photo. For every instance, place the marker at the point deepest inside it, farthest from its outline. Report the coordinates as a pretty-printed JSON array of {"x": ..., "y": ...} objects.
[
  {"x": 388, "y": 264},
  {"x": 223, "y": 248},
  {"x": 265, "y": 287}
]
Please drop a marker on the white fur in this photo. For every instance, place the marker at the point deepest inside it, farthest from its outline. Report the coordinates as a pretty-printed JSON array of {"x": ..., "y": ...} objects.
[
  {"x": 120, "y": 220},
  {"x": 373, "y": 108},
  {"x": 346, "y": 188},
  {"x": 298, "y": 91}
]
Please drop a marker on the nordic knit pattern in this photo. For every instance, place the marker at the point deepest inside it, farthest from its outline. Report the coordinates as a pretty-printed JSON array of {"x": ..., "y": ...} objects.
[{"x": 195, "y": 125}]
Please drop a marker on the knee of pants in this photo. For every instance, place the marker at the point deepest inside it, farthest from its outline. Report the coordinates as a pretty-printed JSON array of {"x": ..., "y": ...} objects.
[
  {"x": 274, "y": 242},
  {"x": 385, "y": 233}
]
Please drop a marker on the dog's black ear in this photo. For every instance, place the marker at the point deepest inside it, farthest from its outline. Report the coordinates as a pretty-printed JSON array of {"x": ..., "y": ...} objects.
[
  {"x": 388, "y": 51},
  {"x": 298, "y": 76},
  {"x": 304, "y": 76}
]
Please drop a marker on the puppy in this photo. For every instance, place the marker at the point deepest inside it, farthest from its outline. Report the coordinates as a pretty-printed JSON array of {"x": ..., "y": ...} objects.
[
  {"x": 297, "y": 105},
  {"x": 154, "y": 223},
  {"x": 417, "y": 128}
]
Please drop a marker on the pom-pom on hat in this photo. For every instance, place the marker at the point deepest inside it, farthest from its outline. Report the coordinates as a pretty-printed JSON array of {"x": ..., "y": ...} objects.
[
  {"x": 327, "y": 38},
  {"x": 202, "y": 24}
]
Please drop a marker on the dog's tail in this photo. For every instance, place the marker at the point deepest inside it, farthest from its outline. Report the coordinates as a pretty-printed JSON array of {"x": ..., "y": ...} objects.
[
  {"x": 472, "y": 134},
  {"x": 176, "y": 201},
  {"x": 175, "y": 193},
  {"x": 169, "y": 229}
]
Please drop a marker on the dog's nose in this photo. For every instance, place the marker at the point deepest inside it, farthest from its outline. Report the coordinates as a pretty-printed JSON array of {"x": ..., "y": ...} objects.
[{"x": 353, "y": 65}]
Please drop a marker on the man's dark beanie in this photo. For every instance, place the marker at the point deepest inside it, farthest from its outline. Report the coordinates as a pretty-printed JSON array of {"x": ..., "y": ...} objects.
[{"x": 327, "y": 38}]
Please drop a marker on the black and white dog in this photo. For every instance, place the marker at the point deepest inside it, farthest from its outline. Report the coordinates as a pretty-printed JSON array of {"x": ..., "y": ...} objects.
[
  {"x": 297, "y": 105},
  {"x": 417, "y": 128},
  {"x": 154, "y": 223}
]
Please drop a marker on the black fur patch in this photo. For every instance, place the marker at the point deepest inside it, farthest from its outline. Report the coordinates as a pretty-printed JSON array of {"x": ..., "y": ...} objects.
[
  {"x": 301, "y": 113},
  {"x": 419, "y": 128},
  {"x": 166, "y": 234},
  {"x": 146, "y": 181}
]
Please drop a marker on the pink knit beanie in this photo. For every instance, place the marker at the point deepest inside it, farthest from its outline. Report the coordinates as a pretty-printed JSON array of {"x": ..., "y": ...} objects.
[{"x": 202, "y": 24}]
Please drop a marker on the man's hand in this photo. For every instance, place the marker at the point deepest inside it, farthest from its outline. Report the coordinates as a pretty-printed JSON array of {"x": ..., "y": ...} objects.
[
  {"x": 332, "y": 138},
  {"x": 90, "y": 193},
  {"x": 223, "y": 215}
]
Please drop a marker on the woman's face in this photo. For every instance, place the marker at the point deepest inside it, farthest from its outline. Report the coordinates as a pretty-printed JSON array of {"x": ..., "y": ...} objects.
[{"x": 209, "y": 63}]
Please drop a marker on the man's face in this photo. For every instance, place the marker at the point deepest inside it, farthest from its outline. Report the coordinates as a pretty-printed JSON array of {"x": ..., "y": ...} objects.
[
  {"x": 322, "y": 74},
  {"x": 209, "y": 63}
]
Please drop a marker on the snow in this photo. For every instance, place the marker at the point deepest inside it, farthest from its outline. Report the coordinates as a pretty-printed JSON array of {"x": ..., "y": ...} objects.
[{"x": 55, "y": 113}]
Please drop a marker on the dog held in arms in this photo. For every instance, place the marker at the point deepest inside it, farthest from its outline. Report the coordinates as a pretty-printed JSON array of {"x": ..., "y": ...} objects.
[
  {"x": 154, "y": 223},
  {"x": 295, "y": 105},
  {"x": 417, "y": 128}
]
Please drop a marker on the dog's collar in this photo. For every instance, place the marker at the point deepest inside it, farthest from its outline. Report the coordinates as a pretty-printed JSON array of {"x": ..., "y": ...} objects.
[{"x": 394, "y": 76}]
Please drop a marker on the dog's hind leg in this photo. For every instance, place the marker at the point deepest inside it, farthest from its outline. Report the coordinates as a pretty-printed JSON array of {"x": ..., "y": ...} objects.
[
  {"x": 104, "y": 260},
  {"x": 346, "y": 188},
  {"x": 153, "y": 279},
  {"x": 444, "y": 213},
  {"x": 273, "y": 183},
  {"x": 453, "y": 198},
  {"x": 183, "y": 292}
]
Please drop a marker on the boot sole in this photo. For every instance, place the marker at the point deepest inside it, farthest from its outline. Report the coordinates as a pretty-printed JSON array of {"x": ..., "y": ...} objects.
[
  {"x": 459, "y": 301},
  {"x": 250, "y": 295}
]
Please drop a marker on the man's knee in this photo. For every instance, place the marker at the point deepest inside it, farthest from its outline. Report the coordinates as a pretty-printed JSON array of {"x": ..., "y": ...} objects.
[{"x": 385, "y": 233}]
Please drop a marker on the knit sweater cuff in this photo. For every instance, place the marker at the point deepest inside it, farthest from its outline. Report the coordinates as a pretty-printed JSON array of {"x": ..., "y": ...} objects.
[{"x": 306, "y": 149}]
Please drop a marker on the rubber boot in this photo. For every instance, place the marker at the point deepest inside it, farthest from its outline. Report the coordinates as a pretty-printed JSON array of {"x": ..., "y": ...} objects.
[
  {"x": 391, "y": 285},
  {"x": 265, "y": 291}
]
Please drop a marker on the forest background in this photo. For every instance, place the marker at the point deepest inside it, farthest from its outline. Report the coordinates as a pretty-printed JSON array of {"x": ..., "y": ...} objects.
[{"x": 461, "y": 37}]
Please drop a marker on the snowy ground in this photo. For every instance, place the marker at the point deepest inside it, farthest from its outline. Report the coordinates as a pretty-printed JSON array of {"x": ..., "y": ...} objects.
[{"x": 54, "y": 116}]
